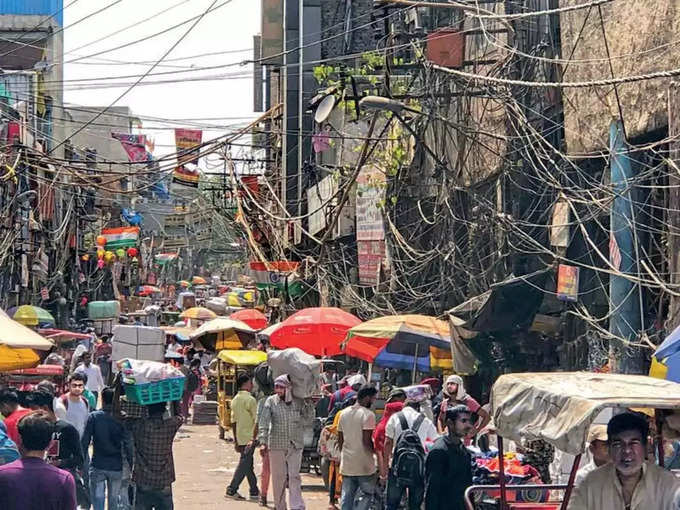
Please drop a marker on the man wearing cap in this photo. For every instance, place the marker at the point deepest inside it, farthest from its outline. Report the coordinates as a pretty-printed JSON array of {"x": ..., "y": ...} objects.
[
  {"x": 280, "y": 430},
  {"x": 354, "y": 384},
  {"x": 599, "y": 449}
]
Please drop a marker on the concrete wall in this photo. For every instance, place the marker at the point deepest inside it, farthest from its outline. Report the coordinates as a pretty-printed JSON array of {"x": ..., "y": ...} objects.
[{"x": 634, "y": 30}]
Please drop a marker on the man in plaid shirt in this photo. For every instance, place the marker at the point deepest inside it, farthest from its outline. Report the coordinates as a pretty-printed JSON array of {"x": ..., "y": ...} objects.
[
  {"x": 154, "y": 469},
  {"x": 280, "y": 426}
]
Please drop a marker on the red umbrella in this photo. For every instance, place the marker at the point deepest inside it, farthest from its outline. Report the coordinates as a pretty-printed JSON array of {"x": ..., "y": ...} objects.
[
  {"x": 254, "y": 318},
  {"x": 317, "y": 331}
]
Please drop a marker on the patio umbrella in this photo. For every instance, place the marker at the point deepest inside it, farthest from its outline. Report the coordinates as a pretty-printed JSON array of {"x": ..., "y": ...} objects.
[
  {"x": 15, "y": 359},
  {"x": 17, "y": 336},
  {"x": 197, "y": 280},
  {"x": 317, "y": 331},
  {"x": 254, "y": 318},
  {"x": 402, "y": 341},
  {"x": 224, "y": 333},
  {"x": 198, "y": 313},
  {"x": 147, "y": 290},
  {"x": 30, "y": 315}
]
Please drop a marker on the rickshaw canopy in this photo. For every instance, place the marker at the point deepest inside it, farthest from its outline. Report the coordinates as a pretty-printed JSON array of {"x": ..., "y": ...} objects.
[
  {"x": 560, "y": 407},
  {"x": 243, "y": 358}
]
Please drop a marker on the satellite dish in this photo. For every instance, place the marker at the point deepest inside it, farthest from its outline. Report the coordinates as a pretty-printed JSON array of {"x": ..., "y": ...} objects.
[{"x": 324, "y": 109}]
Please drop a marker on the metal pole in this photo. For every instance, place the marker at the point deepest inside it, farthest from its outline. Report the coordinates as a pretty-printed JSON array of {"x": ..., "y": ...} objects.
[
  {"x": 625, "y": 322},
  {"x": 300, "y": 112},
  {"x": 415, "y": 366},
  {"x": 501, "y": 473},
  {"x": 570, "y": 484}
]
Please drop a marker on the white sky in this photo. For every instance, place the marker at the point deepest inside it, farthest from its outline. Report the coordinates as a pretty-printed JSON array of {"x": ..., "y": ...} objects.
[{"x": 228, "y": 28}]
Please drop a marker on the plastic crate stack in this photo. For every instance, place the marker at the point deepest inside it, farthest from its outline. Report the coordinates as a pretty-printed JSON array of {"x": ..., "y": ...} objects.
[{"x": 205, "y": 413}]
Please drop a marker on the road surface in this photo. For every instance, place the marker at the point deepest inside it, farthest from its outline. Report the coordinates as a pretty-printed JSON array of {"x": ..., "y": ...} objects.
[{"x": 204, "y": 466}]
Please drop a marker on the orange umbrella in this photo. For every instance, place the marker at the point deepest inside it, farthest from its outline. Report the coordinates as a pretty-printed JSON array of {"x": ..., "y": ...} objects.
[
  {"x": 254, "y": 318},
  {"x": 197, "y": 280}
]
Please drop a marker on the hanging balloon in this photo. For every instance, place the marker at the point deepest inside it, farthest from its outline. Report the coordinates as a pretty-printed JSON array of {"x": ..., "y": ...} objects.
[
  {"x": 100, "y": 254},
  {"x": 109, "y": 256},
  {"x": 120, "y": 253},
  {"x": 100, "y": 264},
  {"x": 85, "y": 257},
  {"x": 101, "y": 241},
  {"x": 132, "y": 252}
]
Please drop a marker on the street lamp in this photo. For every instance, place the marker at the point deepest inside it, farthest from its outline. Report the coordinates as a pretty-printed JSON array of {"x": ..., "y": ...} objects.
[{"x": 397, "y": 107}]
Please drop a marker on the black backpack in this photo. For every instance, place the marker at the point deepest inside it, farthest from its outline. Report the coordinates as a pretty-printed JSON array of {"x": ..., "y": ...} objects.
[{"x": 408, "y": 464}]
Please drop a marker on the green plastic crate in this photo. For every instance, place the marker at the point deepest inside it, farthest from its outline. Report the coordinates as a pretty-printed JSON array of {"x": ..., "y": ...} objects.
[{"x": 155, "y": 392}]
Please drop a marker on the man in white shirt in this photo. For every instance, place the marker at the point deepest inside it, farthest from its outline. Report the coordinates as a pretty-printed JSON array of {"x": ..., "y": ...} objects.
[
  {"x": 427, "y": 433},
  {"x": 72, "y": 406},
  {"x": 599, "y": 451},
  {"x": 355, "y": 440},
  {"x": 95, "y": 381}
]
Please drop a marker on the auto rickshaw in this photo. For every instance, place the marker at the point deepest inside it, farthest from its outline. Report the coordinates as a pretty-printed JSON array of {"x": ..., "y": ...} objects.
[
  {"x": 228, "y": 364},
  {"x": 559, "y": 408}
]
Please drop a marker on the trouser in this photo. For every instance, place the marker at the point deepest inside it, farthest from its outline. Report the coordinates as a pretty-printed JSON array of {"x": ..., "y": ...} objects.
[
  {"x": 395, "y": 492},
  {"x": 100, "y": 481},
  {"x": 285, "y": 465},
  {"x": 149, "y": 498},
  {"x": 243, "y": 470},
  {"x": 265, "y": 474},
  {"x": 350, "y": 485},
  {"x": 186, "y": 403}
]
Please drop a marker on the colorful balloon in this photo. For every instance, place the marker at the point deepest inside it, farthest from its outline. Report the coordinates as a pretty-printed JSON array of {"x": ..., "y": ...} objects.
[
  {"x": 100, "y": 254},
  {"x": 120, "y": 253},
  {"x": 132, "y": 252},
  {"x": 109, "y": 256},
  {"x": 101, "y": 241},
  {"x": 100, "y": 264}
]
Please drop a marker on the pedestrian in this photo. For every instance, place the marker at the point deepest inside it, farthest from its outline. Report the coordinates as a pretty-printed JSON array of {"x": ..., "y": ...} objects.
[
  {"x": 109, "y": 440},
  {"x": 379, "y": 437},
  {"x": 72, "y": 407},
  {"x": 30, "y": 483},
  {"x": 629, "y": 481},
  {"x": 281, "y": 427},
  {"x": 13, "y": 412},
  {"x": 355, "y": 440},
  {"x": 65, "y": 450},
  {"x": 154, "y": 466},
  {"x": 354, "y": 383},
  {"x": 448, "y": 467},
  {"x": 599, "y": 451},
  {"x": 243, "y": 416},
  {"x": 95, "y": 381},
  {"x": 455, "y": 394},
  {"x": 407, "y": 435},
  {"x": 8, "y": 448},
  {"x": 102, "y": 356},
  {"x": 264, "y": 389}
]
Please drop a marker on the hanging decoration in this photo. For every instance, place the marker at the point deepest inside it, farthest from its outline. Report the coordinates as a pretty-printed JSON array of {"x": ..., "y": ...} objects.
[
  {"x": 132, "y": 252},
  {"x": 101, "y": 240}
]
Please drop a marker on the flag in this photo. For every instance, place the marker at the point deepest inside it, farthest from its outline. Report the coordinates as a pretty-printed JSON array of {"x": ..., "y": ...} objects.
[
  {"x": 188, "y": 143},
  {"x": 120, "y": 237},
  {"x": 182, "y": 175},
  {"x": 274, "y": 275},
  {"x": 614, "y": 252},
  {"x": 134, "y": 145}
]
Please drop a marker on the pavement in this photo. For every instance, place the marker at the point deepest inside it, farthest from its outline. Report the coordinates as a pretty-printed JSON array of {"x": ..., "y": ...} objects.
[{"x": 204, "y": 465}]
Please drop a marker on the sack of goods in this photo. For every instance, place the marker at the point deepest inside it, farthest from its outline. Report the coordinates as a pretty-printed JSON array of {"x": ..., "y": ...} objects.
[
  {"x": 303, "y": 370},
  {"x": 151, "y": 382}
]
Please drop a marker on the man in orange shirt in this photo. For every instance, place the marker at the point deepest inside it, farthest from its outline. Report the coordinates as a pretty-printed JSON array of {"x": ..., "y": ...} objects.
[{"x": 13, "y": 412}]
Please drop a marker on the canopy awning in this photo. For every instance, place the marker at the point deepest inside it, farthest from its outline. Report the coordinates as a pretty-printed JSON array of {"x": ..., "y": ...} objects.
[
  {"x": 243, "y": 358},
  {"x": 18, "y": 336}
]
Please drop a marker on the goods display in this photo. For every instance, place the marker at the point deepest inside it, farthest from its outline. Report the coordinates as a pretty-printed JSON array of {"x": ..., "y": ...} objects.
[{"x": 98, "y": 310}]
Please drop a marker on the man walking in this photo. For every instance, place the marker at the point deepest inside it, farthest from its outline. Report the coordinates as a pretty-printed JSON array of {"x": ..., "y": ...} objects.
[
  {"x": 72, "y": 407},
  {"x": 95, "y": 381},
  {"x": 243, "y": 415},
  {"x": 13, "y": 412},
  {"x": 30, "y": 483},
  {"x": 154, "y": 466},
  {"x": 355, "y": 440},
  {"x": 281, "y": 427},
  {"x": 448, "y": 469},
  {"x": 109, "y": 438}
]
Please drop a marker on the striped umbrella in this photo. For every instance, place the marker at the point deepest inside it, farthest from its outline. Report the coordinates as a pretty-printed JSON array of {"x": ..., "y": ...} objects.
[
  {"x": 184, "y": 283},
  {"x": 30, "y": 315},
  {"x": 198, "y": 313}
]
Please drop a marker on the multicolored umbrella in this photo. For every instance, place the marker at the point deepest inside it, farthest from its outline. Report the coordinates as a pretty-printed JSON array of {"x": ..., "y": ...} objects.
[
  {"x": 224, "y": 333},
  {"x": 402, "y": 341},
  {"x": 254, "y": 318},
  {"x": 147, "y": 290},
  {"x": 184, "y": 284},
  {"x": 30, "y": 315},
  {"x": 15, "y": 359},
  {"x": 198, "y": 313},
  {"x": 241, "y": 297},
  {"x": 317, "y": 331},
  {"x": 197, "y": 280}
]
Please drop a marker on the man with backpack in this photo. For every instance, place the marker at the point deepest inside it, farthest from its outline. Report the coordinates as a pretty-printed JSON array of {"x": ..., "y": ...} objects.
[
  {"x": 406, "y": 434},
  {"x": 448, "y": 469},
  {"x": 72, "y": 407},
  {"x": 355, "y": 442}
]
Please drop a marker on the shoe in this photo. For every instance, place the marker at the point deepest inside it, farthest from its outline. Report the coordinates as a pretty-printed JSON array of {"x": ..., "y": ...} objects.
[
  {"x": 234, "y": 495},
  {"x": 254, "y": 496},
  {"x": 263, "y": 500}
]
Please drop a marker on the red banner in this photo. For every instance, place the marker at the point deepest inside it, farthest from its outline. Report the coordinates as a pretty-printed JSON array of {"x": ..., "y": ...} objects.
[
  {"x": 182, "y": 175},
  {"x": 188, "y": 143},
  {"x": 134, "y": 145}
]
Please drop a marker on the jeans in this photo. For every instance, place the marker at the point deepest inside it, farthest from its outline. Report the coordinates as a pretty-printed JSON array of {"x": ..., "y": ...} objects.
[
  {"x": 350, "y": 485},
  {"x": 149, "y": 498},
  {"x": 395, "y": 492},
  {"x": 243, "y": 470},
  {"x": 100, "y": 481}
]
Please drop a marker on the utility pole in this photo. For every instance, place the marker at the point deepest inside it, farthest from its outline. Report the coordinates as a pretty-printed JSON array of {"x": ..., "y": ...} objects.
[
  {"x": 625, "y": 319},
  {"x": 673, "y": 206}
]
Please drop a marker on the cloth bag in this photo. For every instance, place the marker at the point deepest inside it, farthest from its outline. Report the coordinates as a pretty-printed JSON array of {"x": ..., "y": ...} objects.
[{"x": 303, "y": 370}]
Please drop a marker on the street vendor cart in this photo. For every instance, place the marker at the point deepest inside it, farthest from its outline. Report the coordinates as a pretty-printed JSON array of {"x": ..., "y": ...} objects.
[
  {"x": 229, "y": 362},
  {"x": 559, "y": 408}
]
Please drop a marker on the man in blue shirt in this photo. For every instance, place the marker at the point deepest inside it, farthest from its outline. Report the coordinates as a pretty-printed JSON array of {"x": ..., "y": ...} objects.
[{"x": 109, "y": 438}]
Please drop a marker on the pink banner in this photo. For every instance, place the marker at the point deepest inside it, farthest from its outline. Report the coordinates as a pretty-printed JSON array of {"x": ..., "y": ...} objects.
[
  {"x": 188, "y": 143},
  {"x": 134, "y": 145}
]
